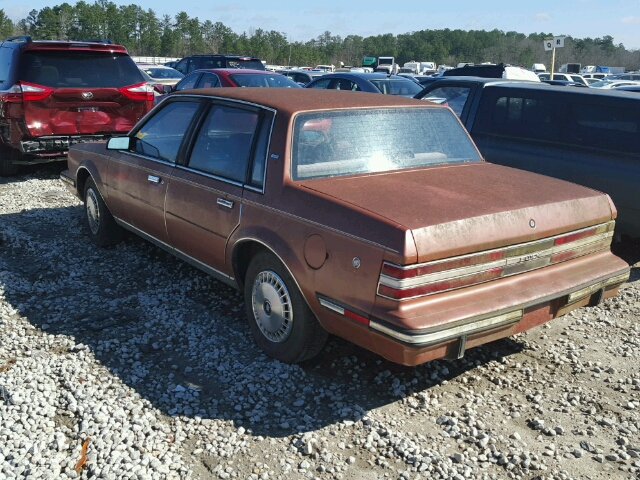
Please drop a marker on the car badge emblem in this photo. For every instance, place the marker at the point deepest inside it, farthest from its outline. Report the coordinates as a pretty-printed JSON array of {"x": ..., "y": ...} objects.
[
  {"x": 532, "y": 223},
  {"x": 87, "y": 95}
]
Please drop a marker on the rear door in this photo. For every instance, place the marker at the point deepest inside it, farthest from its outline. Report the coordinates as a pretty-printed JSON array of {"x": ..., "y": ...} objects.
[
  {"x": 81, "y": 91},
  {"x": 139, "y": 177},
  {"x": 204, "y": 200}
]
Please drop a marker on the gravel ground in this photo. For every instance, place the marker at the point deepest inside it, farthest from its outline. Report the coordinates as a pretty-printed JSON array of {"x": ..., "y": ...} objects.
[{"x": 126, "y": 363}]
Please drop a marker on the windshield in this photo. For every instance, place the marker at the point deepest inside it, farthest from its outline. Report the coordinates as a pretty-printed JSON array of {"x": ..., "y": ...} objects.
[
  {"x": 157, "y": 72},
  {"x": 397, "y": 86},
  {"x": 335, "y": 143},
  {"x": 56, "y": 68},
  {"x": 262, "y": 80}
]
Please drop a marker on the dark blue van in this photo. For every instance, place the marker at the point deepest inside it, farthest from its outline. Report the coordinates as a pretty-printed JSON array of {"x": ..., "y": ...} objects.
[{"x": 587, "y": 136}]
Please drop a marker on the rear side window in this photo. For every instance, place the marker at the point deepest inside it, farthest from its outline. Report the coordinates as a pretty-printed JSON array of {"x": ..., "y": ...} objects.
[
  {"x": 224, "y": 142},
  {"x": 78, "y": 69},
  {"x": 519, "y": 116},
  {"x": 604, "y": 126},
  {"x": 452, "y": 96}
]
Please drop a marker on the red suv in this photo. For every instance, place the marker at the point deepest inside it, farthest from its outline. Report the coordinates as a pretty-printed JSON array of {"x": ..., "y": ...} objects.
[{"x": 54, "y": 94}]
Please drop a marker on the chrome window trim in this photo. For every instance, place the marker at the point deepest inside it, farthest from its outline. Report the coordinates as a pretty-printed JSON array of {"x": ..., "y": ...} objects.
[
  {"x": 208, "y": 175},
  {"x": 144, "y": 157}
]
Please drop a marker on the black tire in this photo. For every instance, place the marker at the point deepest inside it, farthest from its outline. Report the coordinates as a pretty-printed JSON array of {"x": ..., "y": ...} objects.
[
  {"x": 103, "y": 229},
  {"x": 281, "y": 322},
  {"x": 7, "y": 156}
]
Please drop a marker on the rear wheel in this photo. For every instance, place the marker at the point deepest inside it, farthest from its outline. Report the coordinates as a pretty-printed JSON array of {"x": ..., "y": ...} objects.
[
  {"x": 102, "y": 227},
  {"x": 7, "y": 165},
  {"x": 281, "y": 322}
]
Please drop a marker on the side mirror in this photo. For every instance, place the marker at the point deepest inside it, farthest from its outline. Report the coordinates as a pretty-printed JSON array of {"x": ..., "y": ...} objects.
[
  {"x": 167, "y": 88},
  {"x": 119, "y": 143},
  {"x": 158, "y": 87}
]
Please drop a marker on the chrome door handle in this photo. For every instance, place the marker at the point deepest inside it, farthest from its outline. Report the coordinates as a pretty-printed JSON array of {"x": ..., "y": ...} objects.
[
  {"x": 153, "y": 179},
  {"x": 225, "y": 203}
]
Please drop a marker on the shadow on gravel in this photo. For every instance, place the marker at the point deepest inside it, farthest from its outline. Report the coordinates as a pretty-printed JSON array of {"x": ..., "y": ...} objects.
[
  {"x": 629, "y": 251},
  {"x": 44, "y": 170},
  {"x": 180, "y": 338}
]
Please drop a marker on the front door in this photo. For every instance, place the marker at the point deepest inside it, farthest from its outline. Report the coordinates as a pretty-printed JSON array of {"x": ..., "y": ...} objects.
[
  {"x": 204, "y": 199},
  {"x": 139, "y": 177}
]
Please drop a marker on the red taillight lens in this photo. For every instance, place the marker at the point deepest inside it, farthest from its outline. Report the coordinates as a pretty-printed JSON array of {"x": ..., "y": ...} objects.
[
  {"x": 440, "y": 266},
  {"x": 32, "y": 92},
  {"x": 140, "y": 91},
  {"x": 441, "y": 286},
  {"x": 404, "y": 282},
  {"x": 572, "y": 237}
]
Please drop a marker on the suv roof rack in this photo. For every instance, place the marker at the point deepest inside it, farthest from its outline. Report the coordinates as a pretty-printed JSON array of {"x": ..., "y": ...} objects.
[
  {"x": 97, "y": 40},
  {"x": 19, "y": 38}
]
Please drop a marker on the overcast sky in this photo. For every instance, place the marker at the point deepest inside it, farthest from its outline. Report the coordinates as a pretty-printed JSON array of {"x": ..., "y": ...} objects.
[{"x": 301, "y": 22}]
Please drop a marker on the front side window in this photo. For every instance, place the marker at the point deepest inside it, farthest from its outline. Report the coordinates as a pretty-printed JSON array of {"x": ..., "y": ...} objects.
[
  {"x": 263, "y": 80},
  {"x": 162, "y": 135},
  {"x": 347, "y": 142},
  {"x": 324, "y": 83},
  {"x": 454, "y": 97},
  {"x": 188, "y": 82},
  {"x": 224, "y": 142},
  {"x": 397, "y": 87},
  {"x": 208, "y": 80}
]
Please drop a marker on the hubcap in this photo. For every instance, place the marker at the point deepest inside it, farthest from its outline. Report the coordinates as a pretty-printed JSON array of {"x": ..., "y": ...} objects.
[
  {"x": 93, "y": 212},
  {"x": 271, "y": 304}
]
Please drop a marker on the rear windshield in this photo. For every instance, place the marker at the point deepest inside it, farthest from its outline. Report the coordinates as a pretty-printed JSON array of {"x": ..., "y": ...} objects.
[
  {"x": 337, "y": 143},
  {"x": 262, "y": 80},
  {"x": 397, "y": 86},
  {"x": 78, "y": 69},
  {"x": 157, "y": 72}
]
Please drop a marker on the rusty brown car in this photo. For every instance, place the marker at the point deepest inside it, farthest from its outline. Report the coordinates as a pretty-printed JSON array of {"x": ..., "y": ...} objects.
[{"x": 368, "y": 216}]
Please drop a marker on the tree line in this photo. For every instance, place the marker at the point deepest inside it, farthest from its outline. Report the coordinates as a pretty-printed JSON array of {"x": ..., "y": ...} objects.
[{"x": 144, "y": 34}]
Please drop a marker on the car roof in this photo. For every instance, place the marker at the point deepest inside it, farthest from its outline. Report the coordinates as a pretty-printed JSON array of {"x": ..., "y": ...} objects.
[
  {"x": 235, "y": 71},
  {"x": 64, "y": 45},
  {"x": 292, "y": 100},
  {"x": 488, "y": 81},
  {"x": 365, "y": 75},
  {"x": 563, "y": 89}
]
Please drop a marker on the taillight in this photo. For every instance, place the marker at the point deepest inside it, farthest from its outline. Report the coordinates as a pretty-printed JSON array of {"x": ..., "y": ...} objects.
[
  {"x": 33, "y": 92},
  {"x": 404, "y": 282},
  {"x": 140, "y": 91}
]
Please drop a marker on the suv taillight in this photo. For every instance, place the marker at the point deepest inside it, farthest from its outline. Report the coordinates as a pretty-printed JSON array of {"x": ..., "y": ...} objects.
[
  {"x": 140, "y": 91},
  {"x": 404, "y": 282},
  {"x": 28, "y": 92}
]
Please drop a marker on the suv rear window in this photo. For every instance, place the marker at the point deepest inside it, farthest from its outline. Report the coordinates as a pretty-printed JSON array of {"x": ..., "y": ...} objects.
[
  {"x": 79, "y": 69},
  {"x": 335, "y": 143}
]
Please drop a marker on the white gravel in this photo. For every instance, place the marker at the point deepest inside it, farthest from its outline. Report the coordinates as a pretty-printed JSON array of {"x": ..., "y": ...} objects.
[{"x": 152, "y": 363}]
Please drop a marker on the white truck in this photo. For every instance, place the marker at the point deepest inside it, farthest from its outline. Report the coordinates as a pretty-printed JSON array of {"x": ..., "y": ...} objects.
[{"x": 386, "y": 65}]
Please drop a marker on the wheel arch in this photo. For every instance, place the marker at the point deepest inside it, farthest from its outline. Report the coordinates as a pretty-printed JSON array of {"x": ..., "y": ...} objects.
[{"x": 243, "y": 252}]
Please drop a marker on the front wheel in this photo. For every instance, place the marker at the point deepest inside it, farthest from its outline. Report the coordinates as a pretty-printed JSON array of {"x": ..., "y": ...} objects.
[
  {"x": 281, "y": 322},
  {"x": 102, "y": 227}
]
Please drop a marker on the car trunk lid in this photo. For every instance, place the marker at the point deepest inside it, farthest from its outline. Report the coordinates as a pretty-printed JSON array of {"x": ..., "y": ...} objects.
[{"x": 458, "y": 209}]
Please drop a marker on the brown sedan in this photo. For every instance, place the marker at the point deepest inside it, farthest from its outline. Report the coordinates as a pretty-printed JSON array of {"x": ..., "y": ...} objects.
[{"x": 367, "y": 216}]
